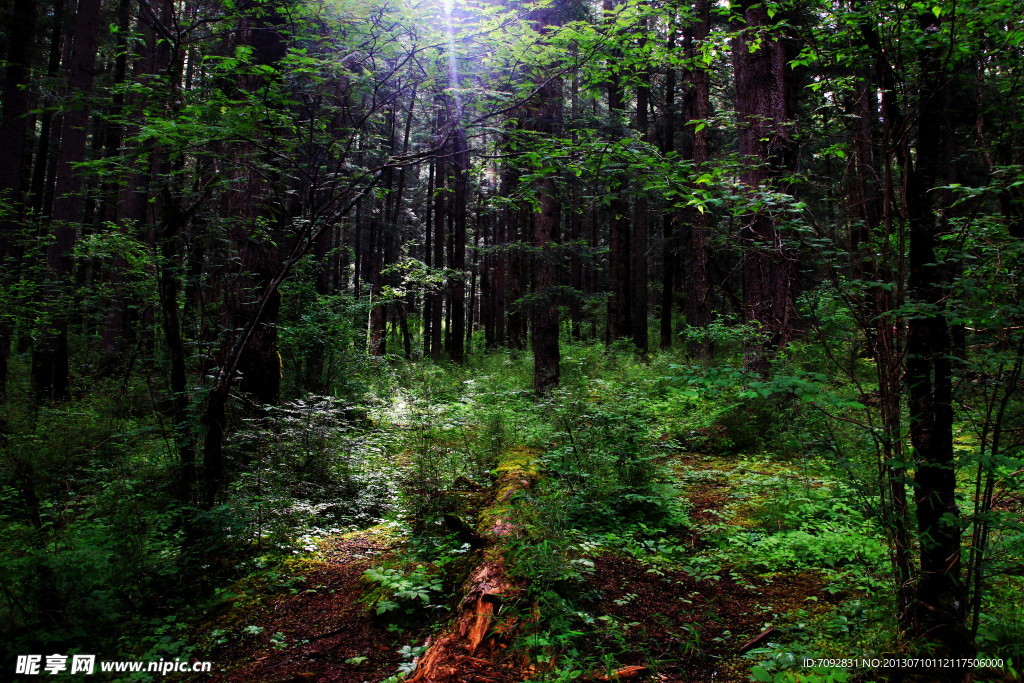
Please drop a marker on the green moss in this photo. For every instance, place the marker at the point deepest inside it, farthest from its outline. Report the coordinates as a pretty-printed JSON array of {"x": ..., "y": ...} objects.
[
  {"x": 516, "y": 465},
  {"x": 519, "y": 461}
]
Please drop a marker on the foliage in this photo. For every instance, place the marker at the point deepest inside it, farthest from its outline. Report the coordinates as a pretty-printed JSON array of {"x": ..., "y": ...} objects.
[
  {"x": 403, "y": 591},
  {"x": 310, "y": 467}
]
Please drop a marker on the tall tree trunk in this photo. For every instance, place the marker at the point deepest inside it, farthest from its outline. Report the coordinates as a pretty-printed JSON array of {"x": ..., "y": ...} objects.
[
  {"x": 545, "y": 118},
  {"x": 518, "y": 234},
  {"x": 698, "y": 300},
  {"x": 14, "y": 142},
  {"x": 382, "y": 233},
  {"x": 764, "y": 112},
  {"x": 253, "y": 208},
  {"x": 667, "y": 140},
  {"x": 402, "y": 307},
  {"x": 476, "y": 276},
  {"x": 50, "y": 365},
  {"x": 117, "y": 330},
  {"x": 941, "y": 596},
  {"x": 313, "y": 375},
  {"x": 428, "y": 296},
  {"x": 884, "y": 304},
  {"x": 459, "y": 210},
  {"x": 544, "y": 309},
  {"x": 169, "y": 231},
  {"x": 640, "y": 229},
  {"x": 620, "y": 314},
  {"x": 501, "y": 262},
  {"x": 576, "y": 228},
  {"x": 47, "y": 121},
  {"x": 440, "y": 216}
]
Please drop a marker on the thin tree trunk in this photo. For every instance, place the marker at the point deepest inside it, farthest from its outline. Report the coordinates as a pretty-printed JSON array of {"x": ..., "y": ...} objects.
[
  {"x": 459, "y": 209},
  {"x": 516, "y": 320},
  {"x": 698, "y": 302},
  {"x": 620, "y": 315},
  {"x": 501, "y": 263},
  {"x": 669, "y": 253},
  {"x": 440, "y": 216},
  {"x": 169, "y": 234},
  {"x": 576, "y": 229},
  {"x": 428, "y": 296},
  {"x": 640, "y": 228},
  {"x": 44, "y": 152}
]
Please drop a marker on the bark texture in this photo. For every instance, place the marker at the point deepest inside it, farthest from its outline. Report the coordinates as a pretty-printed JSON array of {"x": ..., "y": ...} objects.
[{"x": 765, "y": 101}]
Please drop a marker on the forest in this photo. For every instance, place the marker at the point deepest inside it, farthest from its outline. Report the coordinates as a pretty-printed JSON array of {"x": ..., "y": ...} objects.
[{"x": 512, "y": 340}]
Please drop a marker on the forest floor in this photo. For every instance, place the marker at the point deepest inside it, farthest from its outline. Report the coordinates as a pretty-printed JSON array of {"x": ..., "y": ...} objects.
[
  {"x": 659, "y": 619},
  {"x": 310, "y": 623}
]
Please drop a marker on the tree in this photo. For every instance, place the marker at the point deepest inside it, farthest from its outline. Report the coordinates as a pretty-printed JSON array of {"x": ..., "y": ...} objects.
[
  {"x": 14, "y": 141},
  {"x": 765, "y": 108},
  {"x": 940, "y": 597},
  {"x": 543, "y": 116},
  {"x": 620, "y": 277},
  {"x": 50, "y": 364}
]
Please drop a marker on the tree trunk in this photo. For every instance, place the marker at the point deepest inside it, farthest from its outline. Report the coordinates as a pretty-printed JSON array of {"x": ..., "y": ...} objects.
[
  {"x": 941, "y": 599},
  {"x": 117, "y": 328},
  {"x": 545, "y": 118},
  {"x": 669, "y": 253},
  {"x": 14, "y": 142},
  {"x": 428, "y": 296},
  {"x": 517, "y": 265},
  {"x": 459, "y": 210},
  {"x": 50, "y": 364},
  {"x": 453, "y": 654},
  {"x": 764, "y": 112},
  {"x": 253, "y": 210},
  {"x": 543, "y": 309},
  {"x": 620, "y": 314},
  {"x": 640, "y": 229},
  {"x": 440, "y": 216},
  {"x": 501, "y": 263},
  {"x": 169, "y": 234},
  {"x": 698, "y": 300}
]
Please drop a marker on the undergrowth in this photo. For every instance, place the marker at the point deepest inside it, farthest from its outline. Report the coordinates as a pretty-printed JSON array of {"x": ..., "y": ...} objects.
[{"x": 698, "y": 474}]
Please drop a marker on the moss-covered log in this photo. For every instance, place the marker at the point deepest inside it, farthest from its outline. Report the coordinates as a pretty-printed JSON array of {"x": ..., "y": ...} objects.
[{"x": 464, "y": 650}]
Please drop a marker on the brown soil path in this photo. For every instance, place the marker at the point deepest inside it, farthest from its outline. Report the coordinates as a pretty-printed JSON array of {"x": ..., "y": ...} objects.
[{"x": 321, "y": 632}]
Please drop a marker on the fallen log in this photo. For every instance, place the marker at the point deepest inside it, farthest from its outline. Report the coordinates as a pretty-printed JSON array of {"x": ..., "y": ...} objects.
[{"x": 460, "y": 652}]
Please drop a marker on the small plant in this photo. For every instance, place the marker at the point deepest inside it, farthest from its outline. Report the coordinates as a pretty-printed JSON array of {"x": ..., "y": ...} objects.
[
  {"x": 401, "y": 591},
  {"x": 409, "y": 655}
]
